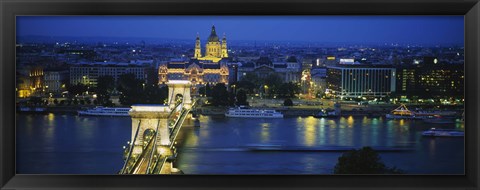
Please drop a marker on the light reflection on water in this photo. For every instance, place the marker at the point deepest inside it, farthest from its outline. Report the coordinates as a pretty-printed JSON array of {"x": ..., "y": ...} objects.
[
  {"x": 317, "y": 132},
  {"x": 93, "y": 145},
  {"x": 310, "y": 131}
]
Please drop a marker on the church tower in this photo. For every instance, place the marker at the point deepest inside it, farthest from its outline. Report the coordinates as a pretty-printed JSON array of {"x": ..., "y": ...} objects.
[
  {"x": 214, "y": 49},
  {"x": 213, "y": 45},
  {"x": 198, "y": 50},
  {"x": 224, "y": 46}
]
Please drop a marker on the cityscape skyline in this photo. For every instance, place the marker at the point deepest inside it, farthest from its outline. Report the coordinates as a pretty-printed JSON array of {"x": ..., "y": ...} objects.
[
  {"x": 181, "y": 107},
  {"x": 425, "y": 30}
]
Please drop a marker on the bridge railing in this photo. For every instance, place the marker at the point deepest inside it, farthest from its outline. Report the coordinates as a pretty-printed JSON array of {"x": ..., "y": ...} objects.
[{"x": 179, "y": 122}]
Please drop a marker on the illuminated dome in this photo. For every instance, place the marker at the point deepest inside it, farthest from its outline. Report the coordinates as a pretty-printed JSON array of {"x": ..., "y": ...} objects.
[{"x": 213, "y": 36}]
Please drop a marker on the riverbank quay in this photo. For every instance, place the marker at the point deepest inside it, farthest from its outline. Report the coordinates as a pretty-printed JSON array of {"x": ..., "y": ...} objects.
[
  {"x": 375, "y": 110},
  {"x": 290, "y": 111},
  {"x": 69, "y": 110}
]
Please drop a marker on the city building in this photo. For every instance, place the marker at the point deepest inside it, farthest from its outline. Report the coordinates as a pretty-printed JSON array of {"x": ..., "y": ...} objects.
[
  {"x": 24, "y": 88},
  {"x": 214, "y": 49},
  {"x": 360, "y": 81},
  {"x": 430, "y": 81},
  {"x": 53, "y": 81},
  {"x": 319, "y": 79},
  {"x": 211, "y": 68},
  {"x": 36, "y": 80},
  {"x": 197, "y": 71},
  {"x": 289, "y": 70},
  {"x": 88, "y": 74}
]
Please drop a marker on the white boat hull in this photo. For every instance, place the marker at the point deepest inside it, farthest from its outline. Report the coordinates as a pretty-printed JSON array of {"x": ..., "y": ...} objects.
[
  {"x": 243, "y": 112},
  {"x": 253, "y": 116},
  {"x": 391, "y": 116},
  {"x": 443, "y": 133},
  {"x": 102, "y": 114},
  {"x": 100, "y": 111}
]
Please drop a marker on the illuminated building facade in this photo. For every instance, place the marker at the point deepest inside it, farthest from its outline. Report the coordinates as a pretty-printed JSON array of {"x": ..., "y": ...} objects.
[
  {"x": 24, "y": 89},
  {"x": 36, "y": 79},
  {"x": 362, "y": 81},
  {"x": 89, "y": 74},
  {"x": 214, "y": 49},
  {"x": 53, "y": 81},
  {"x": 431, "y": 81},
  {"x": 208, "y": 69},
  {"x": 289, "y": 70}
]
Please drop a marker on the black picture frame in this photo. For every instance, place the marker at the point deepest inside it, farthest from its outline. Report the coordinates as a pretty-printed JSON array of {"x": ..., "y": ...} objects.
[{"x": 9, "y": 9}]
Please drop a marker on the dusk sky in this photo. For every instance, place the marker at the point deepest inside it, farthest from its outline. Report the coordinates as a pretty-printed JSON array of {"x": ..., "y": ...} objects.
[{"x": 350, "y": 29}]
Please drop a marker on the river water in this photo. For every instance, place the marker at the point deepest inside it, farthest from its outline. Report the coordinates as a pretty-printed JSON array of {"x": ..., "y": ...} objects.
[{"x": 70, "y": 144}]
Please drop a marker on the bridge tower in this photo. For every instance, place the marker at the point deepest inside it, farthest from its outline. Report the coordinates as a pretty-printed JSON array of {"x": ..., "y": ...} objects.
[
  {"x": 149, "y": 117},
  {"x": 179, "y": 87}
]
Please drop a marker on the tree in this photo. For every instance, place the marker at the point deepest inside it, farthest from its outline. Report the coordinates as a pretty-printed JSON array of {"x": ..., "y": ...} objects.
[
  {"x": 153, "y": 94},
  {"x": 287, "y": 102},
  {"x": 252, "y": 78},
  {"x": 272, "y": 82},
  {"x": 105, "y": 86},
  {"x": 288, "y": 90},
  {"x": 247, "y": 85},
  {"x": 206, "y": 90},
  {"x": 108, "y": 103},
  {"x": 363, "y": 161},
  {"x": 35, "y": 100},
  {"x": 220, "y": 95},
  {"x": 76, "y": 89},
  {"x": 131, "y": 89},
  {"x": 241, "y": 97}
]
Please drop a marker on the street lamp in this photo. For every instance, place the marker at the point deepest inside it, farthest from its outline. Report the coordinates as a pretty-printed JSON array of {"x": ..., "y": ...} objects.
[
  {"x": 234, "y": 89},
  {"x": 265, "y": 87}
]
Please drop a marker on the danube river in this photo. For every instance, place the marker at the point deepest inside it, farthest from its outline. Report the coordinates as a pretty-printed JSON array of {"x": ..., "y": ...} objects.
[{"x": 70, "y": 144}]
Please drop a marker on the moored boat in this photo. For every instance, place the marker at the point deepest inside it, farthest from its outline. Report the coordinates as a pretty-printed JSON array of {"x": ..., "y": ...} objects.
[
  {"x": 247, "y": 112},
  {"x": 443, "y": 133},
  {"x": 32, "y": 109},
  {"x": 439, "y": 119},
  {"x": 402, "y": 112},
  {"x": 326, "y": 113},
  {"x": 105, "y": 111}
]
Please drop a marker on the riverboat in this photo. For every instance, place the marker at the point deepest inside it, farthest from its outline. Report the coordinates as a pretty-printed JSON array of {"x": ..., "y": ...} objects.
[
  {"x": 32, "y": 109},
  {"x": 247, "y": 112},
  {"x": 439, "y": 119},
  {"x": 105, "y": 111},
  {"x": 326, "y": 113},
  {"x": 402, "y": 112},
  {"x": 443, "y": 133}
]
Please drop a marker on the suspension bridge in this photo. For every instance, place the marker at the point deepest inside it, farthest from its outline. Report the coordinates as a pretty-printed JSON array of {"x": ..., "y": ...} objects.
[{"x": 155, "y": 128}]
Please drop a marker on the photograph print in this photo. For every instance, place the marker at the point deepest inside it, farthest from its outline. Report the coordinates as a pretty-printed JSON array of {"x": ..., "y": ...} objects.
[{"x": 288, "y": 95}]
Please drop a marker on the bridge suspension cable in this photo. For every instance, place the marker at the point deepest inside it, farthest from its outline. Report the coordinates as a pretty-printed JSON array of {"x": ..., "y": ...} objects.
[{"x": 131, "y": 149}]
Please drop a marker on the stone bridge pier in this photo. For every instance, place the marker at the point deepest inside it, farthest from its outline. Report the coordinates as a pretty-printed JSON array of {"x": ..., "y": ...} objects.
[
  {"x": 148, "y": 117},
  {"x": 179, "y": 87}
]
